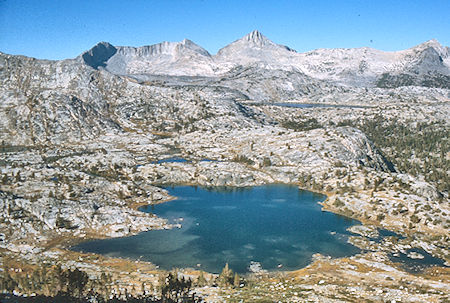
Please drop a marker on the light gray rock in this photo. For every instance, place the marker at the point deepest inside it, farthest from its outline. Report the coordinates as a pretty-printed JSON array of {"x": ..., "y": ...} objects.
[{"x": 81, "y": 138}]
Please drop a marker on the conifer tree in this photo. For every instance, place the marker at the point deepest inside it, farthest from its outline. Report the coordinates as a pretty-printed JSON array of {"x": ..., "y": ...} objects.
[
  {"x": 237, "y": 280},
  {"x": 226, "y": 276},
  {"x": 201, "y": 281}
]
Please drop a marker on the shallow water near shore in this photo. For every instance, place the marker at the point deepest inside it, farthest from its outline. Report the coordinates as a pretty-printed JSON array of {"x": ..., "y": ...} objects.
[
  {"x": 279, "y": 226},
  {"x": 418, "y": 264}
]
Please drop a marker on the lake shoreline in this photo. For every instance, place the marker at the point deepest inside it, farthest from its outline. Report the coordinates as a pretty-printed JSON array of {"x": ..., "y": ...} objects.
[
  {"x": 66, "y": 243},
  {"x": 234, "y": 197}
]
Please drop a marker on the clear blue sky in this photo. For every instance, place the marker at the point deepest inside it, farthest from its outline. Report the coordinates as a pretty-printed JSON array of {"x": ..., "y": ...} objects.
[{"x": 57, "y": 29}]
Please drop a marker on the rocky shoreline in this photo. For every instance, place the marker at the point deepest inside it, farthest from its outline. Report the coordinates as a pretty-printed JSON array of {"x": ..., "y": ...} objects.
[
  {"x": 53, "y": 255},
  {"x": 82, "y": 148},
  {"x": 354, "y": 200}
]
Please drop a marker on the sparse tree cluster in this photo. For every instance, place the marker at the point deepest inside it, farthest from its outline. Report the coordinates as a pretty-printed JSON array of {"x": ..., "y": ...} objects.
[
  {"x": 228, "y": 278},
  {"x": 55, "y": 284},
  {"x": 243, "y": 159},
  {"x": 414, "y": 148},
  {"x": 301, "y": 125}
]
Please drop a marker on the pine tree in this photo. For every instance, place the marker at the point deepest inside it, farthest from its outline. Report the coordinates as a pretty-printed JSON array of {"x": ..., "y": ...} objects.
[
  {"x": 201, "y": 281},
  {"x": 226, "y": 276},
  {"x": 5, "y": 179},
  {"x": 18, "y": 177},
  {"x": 237, "y": 280}
]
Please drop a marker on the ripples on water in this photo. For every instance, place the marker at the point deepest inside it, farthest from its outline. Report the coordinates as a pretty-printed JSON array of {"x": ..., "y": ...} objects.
[{"x": 279, "y": 226}]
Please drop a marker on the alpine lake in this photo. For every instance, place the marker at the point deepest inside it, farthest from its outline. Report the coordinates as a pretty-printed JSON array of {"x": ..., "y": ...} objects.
[{"x": 278, "y": 226}]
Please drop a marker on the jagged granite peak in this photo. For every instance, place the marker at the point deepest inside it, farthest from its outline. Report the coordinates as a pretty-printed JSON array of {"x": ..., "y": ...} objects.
[
  {"x": 256, "y": 38},
  {"x": 169, "y": 58},
  {"x": 432, "y": 56},
  {"x": 255, "y": 48},
  {"x": 164, "y": 48},
  {"x": 190, "y": 44},
  {"x": 99, "y": 54},
  {"x": 433, "y": 43},
  {"x": 425, "y": 64}
]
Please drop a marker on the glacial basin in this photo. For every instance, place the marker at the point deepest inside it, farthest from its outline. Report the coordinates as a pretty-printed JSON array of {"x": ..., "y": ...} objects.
[{"x": 279, "y": 226}]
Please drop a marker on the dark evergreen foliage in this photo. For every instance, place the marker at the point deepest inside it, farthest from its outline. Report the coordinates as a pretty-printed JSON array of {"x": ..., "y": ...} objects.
[
  {"x": 71, "y": 288},
  {"x": 414, "y": 148},
  {"x": 302, "y": 125}
]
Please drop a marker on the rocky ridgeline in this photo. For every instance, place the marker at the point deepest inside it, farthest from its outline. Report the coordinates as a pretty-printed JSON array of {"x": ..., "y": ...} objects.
[{"x": 86, "y": 141}]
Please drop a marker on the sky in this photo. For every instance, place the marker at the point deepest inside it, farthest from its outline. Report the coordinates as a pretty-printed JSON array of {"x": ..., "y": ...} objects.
[{"x": 59, "y": 29}]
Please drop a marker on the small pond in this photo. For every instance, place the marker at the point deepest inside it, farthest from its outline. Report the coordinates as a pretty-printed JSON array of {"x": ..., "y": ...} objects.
[
  {"x": 279, "y": 226},
  {"x": 322, "y": 105},
  {"x": 416, "y": 264}
]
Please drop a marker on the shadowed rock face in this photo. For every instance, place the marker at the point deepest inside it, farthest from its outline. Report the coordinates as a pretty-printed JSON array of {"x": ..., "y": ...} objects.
[
  {"x": 99, "y": 55},
  {"x": 427, "y": 67}
]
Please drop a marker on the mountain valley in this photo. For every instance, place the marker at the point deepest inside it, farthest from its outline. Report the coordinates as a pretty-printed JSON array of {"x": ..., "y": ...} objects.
[{"x": 86, "y": 141}]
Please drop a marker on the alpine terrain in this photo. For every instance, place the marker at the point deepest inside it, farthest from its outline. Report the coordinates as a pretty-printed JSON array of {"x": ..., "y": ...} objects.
[{"x": 86, "y": 141}]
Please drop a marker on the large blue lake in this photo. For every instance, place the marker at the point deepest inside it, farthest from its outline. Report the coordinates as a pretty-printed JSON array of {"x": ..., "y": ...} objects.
[{"x": 278, "y": 226}]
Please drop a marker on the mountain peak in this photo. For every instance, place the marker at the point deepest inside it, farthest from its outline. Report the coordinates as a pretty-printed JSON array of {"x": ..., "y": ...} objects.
[
  {"x": 427, "y": 44},
  {"x": 432, "y": 46},
  {"x": 164, "y": 48},
  {"x": 99, "y": 54},
  {"x": 256, "y": 38},
  {"x": 433, "y": 42},
  {"x": 104, "y": 44},
  {"x": 194, "y": 47}
]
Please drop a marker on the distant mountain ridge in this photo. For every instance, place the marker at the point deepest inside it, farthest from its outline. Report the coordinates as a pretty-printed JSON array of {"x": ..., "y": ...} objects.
[{"x": 427, "y": 64}]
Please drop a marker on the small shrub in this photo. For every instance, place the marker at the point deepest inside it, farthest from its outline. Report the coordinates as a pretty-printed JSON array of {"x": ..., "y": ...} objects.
[{"x": 243, "y": 159}]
